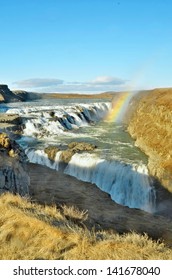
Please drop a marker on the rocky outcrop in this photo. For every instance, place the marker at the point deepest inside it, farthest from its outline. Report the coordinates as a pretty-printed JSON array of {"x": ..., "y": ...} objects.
[
  {"x": 81, "y": 146},
  {"x": 26, "y": 96},
  {"x": 13, "y": 175},
  {"x": 51, "y": 151},
  {"x": 66, "y": 154},
  {"x": 151, "y": 127},
  {"x": 11, "y": 148},
  {"x": 10, "y": 123},
  {"x": 6, "y": 95}
]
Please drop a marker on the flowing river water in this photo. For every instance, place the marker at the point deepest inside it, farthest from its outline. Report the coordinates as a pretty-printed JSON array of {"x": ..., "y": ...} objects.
[{"x": 116, "y": 166}]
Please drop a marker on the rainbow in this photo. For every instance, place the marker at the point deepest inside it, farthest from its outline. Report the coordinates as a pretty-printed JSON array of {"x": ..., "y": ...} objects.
[{"x": 119, "y": 106}]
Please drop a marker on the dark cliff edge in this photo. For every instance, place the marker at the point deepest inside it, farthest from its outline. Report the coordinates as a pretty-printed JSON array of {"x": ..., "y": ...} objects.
[{"x": 6, "y": 95}]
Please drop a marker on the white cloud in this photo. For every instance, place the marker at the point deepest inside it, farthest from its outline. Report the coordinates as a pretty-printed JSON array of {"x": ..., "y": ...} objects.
[
  {"x": 99, "y": 84},
  {"x": 38, "y": 83},
  {"x": 108, "y": 80}
]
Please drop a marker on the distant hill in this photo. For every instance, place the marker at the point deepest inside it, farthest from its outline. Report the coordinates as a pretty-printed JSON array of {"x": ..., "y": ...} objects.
[{"x": 104, "y": 95}]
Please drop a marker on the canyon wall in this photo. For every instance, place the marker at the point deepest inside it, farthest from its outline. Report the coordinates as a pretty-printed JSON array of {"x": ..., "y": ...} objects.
[
  {"x": 13, "y": 173},
  {"x": 151, "y": 126}
]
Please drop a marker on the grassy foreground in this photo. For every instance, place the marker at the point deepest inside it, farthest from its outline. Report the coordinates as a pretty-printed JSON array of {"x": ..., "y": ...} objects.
[{"x": 31, "y": 231}]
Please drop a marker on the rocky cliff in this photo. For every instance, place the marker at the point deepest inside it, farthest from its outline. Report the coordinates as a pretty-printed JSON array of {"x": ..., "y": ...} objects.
[
  {"x": 151, "y": 127},
  {"x": 13, "y": 175},
  {"x": 7, "y": 95}
]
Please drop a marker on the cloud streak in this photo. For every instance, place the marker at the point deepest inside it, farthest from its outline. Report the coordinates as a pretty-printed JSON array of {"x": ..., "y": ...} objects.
[
  {"x": 108, "y": 80},
  {"x": 99, "y": 84},
  {"x": 38, "y": 83}
]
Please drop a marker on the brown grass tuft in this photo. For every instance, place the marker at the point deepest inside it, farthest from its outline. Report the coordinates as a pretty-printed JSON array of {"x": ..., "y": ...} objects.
[{"x": 32, "y": 231}]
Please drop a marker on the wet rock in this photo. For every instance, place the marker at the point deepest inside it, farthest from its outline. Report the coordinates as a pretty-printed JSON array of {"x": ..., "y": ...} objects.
[
  {"x": 11, "y": 148},
  {"x": 81, "y": 146},
  {"x": 52, "y": 114},
  {"x": 9, "y": 118},
  {"x": 13, "y": 176},
  {"x": 51, "y": 151},
  {"x": 66, "y": 155},
  {"x": 75, "y": 147},
  {"x": 10, "y": 123},
  {"x": 5, "y": 141}
]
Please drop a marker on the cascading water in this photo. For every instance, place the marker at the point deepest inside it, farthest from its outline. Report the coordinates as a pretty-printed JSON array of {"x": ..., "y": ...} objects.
[
  {"x": 40, "y": 157},
  {"x": 116, "y": 167},
  {"x": 128, "y": 185},
  {"x": 54, "y": 120}
]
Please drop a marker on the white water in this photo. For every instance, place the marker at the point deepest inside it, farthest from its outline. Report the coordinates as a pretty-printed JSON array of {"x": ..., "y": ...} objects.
[
  {"x": 116, "y": 167},
  {"x": 128, "y": 185},
  {"x": 40, "y": 157},
  {"x": 40, "y": 123}
]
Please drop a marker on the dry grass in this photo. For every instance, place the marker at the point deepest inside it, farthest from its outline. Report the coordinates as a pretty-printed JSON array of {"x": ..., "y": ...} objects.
[
  {"x": 152, "y": 129},
  {"x": 32, "y": 231}
]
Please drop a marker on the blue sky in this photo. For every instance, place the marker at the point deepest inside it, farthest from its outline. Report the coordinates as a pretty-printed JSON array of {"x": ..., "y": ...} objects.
[{"x": 85, "y": 45}]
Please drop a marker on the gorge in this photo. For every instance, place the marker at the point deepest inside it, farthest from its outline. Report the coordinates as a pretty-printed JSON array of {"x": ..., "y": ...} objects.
[{"x": 47, "y": 134}]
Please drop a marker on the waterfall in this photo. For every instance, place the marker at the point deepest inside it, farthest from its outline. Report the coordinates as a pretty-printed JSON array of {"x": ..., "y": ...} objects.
[
  {"x": 127, "y": 184},
  {"x": 43, "y": 121},
  {"x": 40, "y": 157}
]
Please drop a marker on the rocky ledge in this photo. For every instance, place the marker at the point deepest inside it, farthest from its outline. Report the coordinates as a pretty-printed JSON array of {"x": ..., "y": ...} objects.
[
  {"x": 10, "y": 123},
  {"x": 67, "y": 153},
  {"x": 13, "y": 174}
]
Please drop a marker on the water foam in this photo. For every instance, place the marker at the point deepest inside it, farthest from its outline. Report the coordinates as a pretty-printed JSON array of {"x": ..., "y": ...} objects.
[
  {"x": 128, "y": 185},
  {"x": 43, "y": 121},
  {"x": 40, "y": 157}
]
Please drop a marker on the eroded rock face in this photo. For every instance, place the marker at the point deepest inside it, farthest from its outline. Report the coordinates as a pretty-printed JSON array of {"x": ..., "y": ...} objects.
[
  {"x": 13, "y": 174},
  {"x": 66, "y": 154},
  {"x": 51, "y": 151},
  {"x": 7, "y": 95},
  {"x": 81, "y": 146},
  {"x": 152, "y": 129},
  {"x": 11, "y": 148}
]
